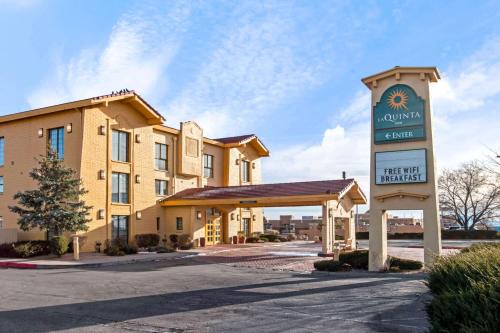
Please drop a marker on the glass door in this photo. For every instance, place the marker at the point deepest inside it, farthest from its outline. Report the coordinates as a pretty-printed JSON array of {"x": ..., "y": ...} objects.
[{"x": 119, "y": 229}]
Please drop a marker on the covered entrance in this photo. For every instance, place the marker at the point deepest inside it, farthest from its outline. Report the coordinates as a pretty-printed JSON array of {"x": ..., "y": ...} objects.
[{"x": 336, "y": 197}]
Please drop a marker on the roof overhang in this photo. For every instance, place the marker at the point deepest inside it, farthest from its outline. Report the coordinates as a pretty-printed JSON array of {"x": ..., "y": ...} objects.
[
  {"x": 431, "y": 72},
  {"x": 352, "y": 191},
  {"x": 253, "y": 141},
  {"x": 152, "y": 116}
]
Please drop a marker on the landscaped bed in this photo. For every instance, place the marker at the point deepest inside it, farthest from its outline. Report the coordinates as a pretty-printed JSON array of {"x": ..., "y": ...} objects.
[
  {"x": 359, "y": 260},
  {"x": 466, "y": 289}
]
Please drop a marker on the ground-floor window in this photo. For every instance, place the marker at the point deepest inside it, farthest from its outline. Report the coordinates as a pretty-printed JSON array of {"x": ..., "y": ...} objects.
[
  {"x": 245, "y": 226},
  {"x": 119, "y": 227},
  {"x": 178, "y": 223}
]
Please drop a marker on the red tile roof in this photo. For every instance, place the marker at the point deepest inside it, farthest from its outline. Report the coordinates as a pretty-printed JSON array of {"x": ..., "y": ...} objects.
[
  {"x": 236, "y": 139},
  {"x": 264, "y": 190}
]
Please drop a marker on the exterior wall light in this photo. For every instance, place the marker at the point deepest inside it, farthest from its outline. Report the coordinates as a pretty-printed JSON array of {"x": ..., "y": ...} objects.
[
  {"x": 40, "y": 132},
  {"x": 137, "y": 179},
  {"x": 198, "y": 215},
  {"x": 100, "y": 214},
  {"x": 138, "y": 215},
  {"x": 253, "y": 165},
  {"x": 237, "y": 161},
  {"x": 102, "y": 130},
  {"x": 232, "y": 216},
  {"x": 254, "y": 217},
  {"x": 138, "y": 138},
  {"x": 69, "y": 128},
  {"x": 238, "y": 217},
  {"x": 102, "y": 174}
]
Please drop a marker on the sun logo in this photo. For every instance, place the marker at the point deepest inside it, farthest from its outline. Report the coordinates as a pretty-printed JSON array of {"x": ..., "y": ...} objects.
[{"x": 398, "y": 100}]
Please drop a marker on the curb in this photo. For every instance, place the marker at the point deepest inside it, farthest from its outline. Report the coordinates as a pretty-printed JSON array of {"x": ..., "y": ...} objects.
[
  {"x": 368, "y": 274},
  {"x": 21, "y": 265}
]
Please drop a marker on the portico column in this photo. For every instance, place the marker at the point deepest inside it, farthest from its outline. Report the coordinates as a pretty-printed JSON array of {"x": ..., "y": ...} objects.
[
  {"x": 378, "y": 240},
  {"x": 326, "y": 229},
  {"x": 352, "y": 229},
  {"x": 432, "y": 236}
]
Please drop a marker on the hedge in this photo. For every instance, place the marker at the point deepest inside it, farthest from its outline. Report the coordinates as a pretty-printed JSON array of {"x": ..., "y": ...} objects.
[
  {"x": 359, "y": 260},
  {"x": 466, "y": 290},
  {"x": 445, "y": 234},
  {"x": 24, "y": 249},
  {"x": 147, "y": 240}
]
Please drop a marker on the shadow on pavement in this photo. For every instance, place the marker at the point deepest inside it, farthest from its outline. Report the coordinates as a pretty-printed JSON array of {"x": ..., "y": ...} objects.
[{"x": 84, "y": 314}]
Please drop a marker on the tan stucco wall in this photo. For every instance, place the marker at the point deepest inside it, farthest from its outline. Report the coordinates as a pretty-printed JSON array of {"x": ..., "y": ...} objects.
[{"x": 22, "y": 146}]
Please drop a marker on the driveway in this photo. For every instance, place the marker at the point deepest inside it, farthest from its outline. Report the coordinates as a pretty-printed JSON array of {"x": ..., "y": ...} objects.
[
  {"x": 296, "y": 256},
  {"x": 194, "y": 295}
]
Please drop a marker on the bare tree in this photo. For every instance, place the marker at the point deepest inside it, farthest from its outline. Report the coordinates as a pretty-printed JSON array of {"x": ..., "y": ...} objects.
[{"x": 471, "y": 194}]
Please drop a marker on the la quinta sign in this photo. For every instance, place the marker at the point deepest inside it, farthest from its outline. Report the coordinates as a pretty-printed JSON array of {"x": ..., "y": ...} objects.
[{"x": 399, "y": 116}]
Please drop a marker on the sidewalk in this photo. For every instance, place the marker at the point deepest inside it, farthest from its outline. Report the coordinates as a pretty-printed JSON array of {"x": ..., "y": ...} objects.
[{"x": 89, "y": 260}]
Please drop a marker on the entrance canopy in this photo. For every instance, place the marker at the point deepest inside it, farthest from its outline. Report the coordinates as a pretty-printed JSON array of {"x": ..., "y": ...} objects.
[{"x": 312, "y": 193}]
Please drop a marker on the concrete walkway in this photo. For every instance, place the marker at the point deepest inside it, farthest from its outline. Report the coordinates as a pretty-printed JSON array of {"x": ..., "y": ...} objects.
[{"x": 89, "y": 260}]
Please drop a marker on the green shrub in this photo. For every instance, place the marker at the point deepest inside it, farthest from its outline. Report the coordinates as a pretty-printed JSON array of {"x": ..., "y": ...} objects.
[
  {"x": 481, "y": 265},
  {"x": 283, "y": 239},
  {"x": 466, "y": 291},
  {"x": 147, "y": 240},
  {"x": 59, "y": 245},
  {"x": 114, "y": 250},
  {"x": 24, "y": 249},
  {"x": 357, "y": 259},
  {"x": 480, "y": 246},
  {"x": 185, "y": 242},
  {"x": 404, "y": 264},
  {"x": 253, "y": 240},
  {"x": 264, "y": 239},
  {"x": 331, "y": 266},
  {"x": 162, "y": 249},
  {"x": 129, "y": 249},
  {"x": 291, "y": 237},
  {"x": 269, "y": 237},
  {"x": 474, "y": 309}
]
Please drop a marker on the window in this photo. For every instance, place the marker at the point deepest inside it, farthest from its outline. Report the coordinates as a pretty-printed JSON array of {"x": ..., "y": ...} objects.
[
  {"x": 245, "y": 226},
  {"x": 56, "y": 141},
  {"x": 178, "y": 223},
  {"x": 245, "y": 165},
  {"x": 1, "y": 222},
  {"x": 120, "y": 146},
  {"x": 119, "y": 191},
  {"x": 161, "y": 187},
  {"x": 157, "y": 224},
  {"x": 1, "y": 184},
  {"x": 160, "y": 156},
  {"x": 2, "y": 150},
  {"x": 208, "y": 166},
  {"x": 119, "y": 227}
]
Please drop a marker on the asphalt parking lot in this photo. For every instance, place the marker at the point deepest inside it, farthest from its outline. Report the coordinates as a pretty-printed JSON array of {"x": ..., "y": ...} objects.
[{"x": 194, "y": 295}]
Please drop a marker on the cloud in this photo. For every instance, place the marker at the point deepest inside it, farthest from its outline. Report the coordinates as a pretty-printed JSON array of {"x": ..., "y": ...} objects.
[
  {"x": 140, "y": 47},
  {"x": 253, "y": 67}
]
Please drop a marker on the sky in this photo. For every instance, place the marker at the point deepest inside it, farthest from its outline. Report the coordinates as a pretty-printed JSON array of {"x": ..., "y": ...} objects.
[{"x": 288, "y": 71}]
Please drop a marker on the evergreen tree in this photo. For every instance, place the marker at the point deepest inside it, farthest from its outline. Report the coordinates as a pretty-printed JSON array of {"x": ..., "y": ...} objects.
[{"x": 55, "y": 204}]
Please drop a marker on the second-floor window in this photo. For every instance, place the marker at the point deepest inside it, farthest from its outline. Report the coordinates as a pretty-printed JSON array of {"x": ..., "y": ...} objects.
[
  {"x": 160, "y": 156},
  {"x": 208, "y": 166},
  {"x": 161, "y": 187},
  {"x": 2, "y": 150},
  {"x": 1, "y": 184},
  {"x": 120, "y": 187},
  {"x": 56, "y": 141},
  {"x": 120, "y": 146},
  {"x": 245, "y": 169}
]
